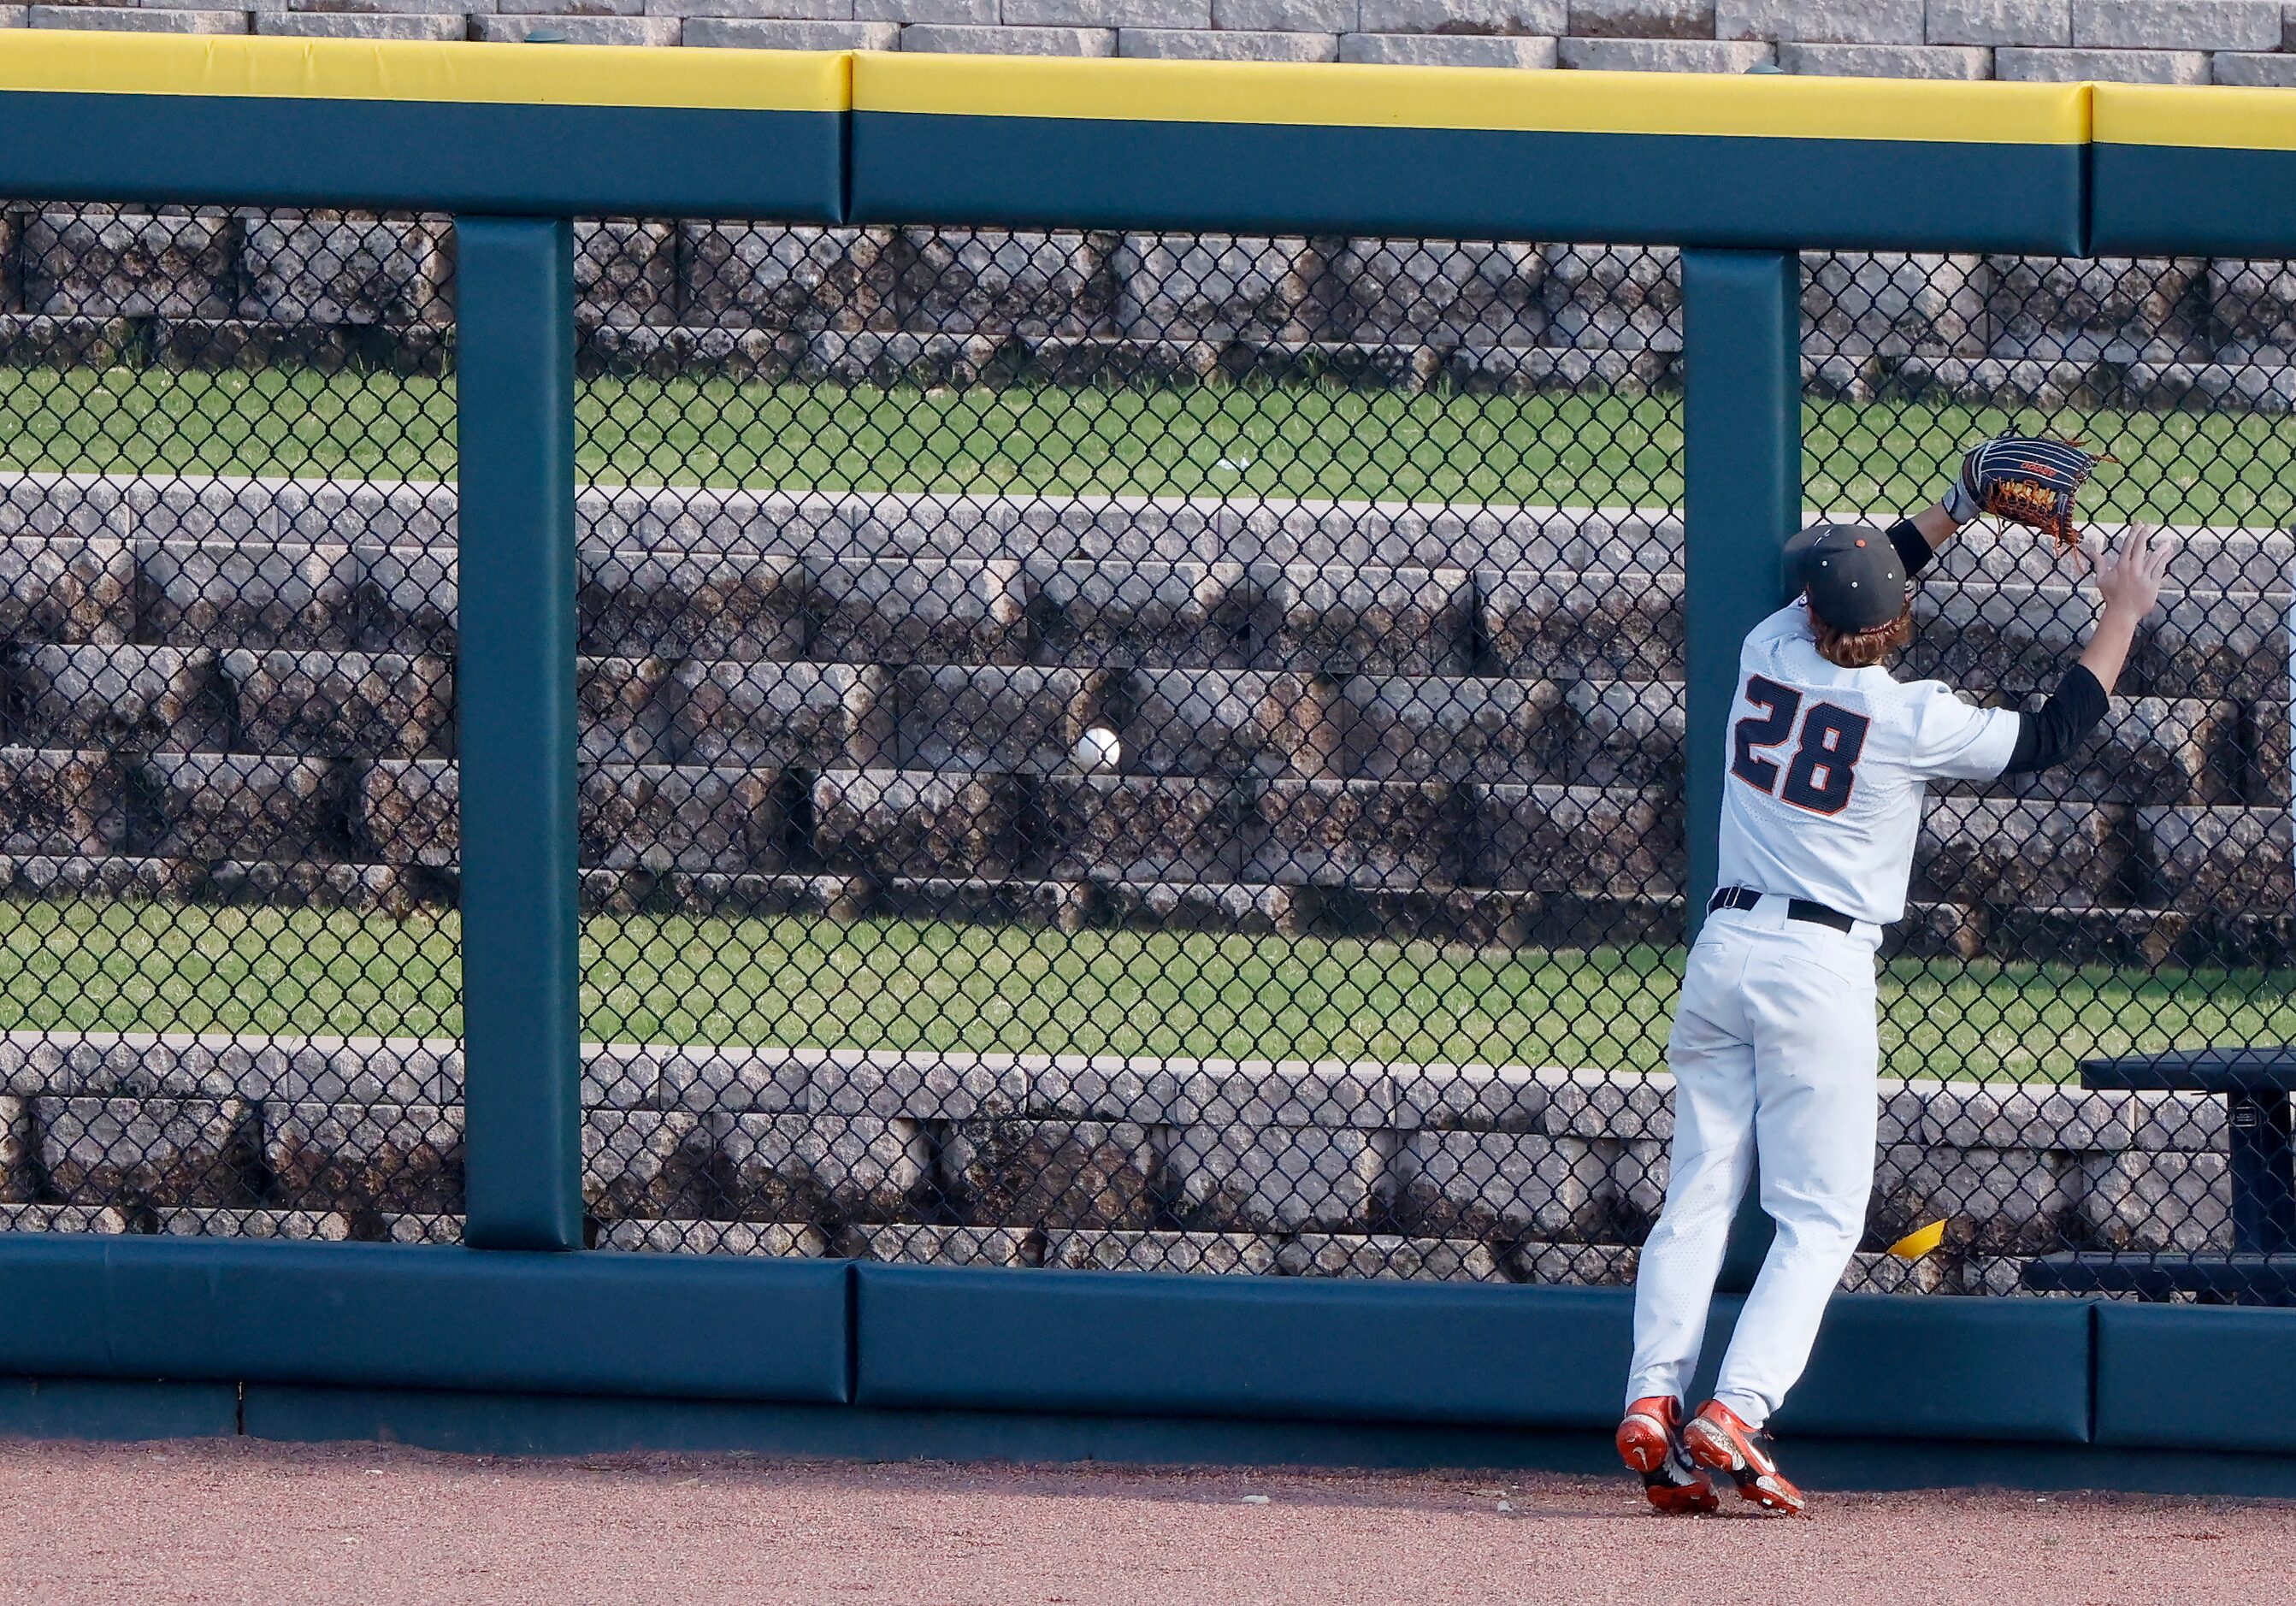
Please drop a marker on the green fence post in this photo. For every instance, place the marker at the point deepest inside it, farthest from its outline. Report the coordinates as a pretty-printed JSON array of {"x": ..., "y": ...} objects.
[
  {"x": 514, "y": 689},
  {"x": 1742, "y": 499}
]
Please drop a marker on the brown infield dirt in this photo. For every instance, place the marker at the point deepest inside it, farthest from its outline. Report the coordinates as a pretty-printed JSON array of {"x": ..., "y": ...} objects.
[{"x": 229, "y": 1520}]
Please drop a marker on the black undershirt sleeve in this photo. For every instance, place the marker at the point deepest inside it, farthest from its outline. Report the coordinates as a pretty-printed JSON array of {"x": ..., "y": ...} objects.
[
  {"x": 1913, "y": 547},
  {"x": 2062, "y": 724}
]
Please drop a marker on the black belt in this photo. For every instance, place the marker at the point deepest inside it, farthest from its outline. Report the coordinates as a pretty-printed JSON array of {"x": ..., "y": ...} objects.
[{"x": 1797, "y": 908}]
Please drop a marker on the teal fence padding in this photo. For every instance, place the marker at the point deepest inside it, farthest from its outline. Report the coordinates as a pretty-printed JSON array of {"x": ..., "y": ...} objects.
[
  {"x": 2008, "y": 1370},
  {"x": 2195, "y": 1377},
  {"x": 2190, "y": 201},
  {"x": 1741, "y": 495},
  {"x": 407, "y": 1316},
  {"x": 103, "y": 1409},
  {"x": 1141, "y": 1344},
  {"x": 515, "y": 706},
  {"x": 423, "y": 156},
  {"x": 1465, "y": 183}
]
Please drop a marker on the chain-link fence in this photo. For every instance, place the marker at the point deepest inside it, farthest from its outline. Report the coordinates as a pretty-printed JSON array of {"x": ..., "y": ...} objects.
[
  {"x": 229, "y": 961},
  {"x": 1138, "y": 752},
  {"x": 2138, "y": 899},
  {"x": 1098, "y": 751}
]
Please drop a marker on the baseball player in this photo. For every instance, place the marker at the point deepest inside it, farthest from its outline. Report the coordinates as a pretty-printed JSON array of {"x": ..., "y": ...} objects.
[{"x": 1774, "y": 1045}]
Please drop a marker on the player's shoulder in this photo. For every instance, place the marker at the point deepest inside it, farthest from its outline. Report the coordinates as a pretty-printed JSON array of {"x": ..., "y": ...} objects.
[
  {"x": 1789, "y": 623},
  {"x": 1782, "y": 646}
]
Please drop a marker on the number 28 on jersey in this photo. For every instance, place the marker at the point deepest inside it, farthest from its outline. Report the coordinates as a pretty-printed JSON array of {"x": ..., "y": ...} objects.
[{"x": 1826, "y": 741}]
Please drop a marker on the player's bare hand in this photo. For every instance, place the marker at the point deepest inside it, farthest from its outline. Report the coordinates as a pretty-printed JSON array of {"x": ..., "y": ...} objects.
[{"x": 2130, "y": 575}]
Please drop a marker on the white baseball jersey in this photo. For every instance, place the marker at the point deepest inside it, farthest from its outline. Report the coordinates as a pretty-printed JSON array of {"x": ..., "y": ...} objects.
[{"x": 1828, "y": 768}]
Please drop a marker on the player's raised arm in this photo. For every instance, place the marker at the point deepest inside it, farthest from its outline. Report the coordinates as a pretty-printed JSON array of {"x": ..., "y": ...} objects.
[{"x": 2129, "y": 580}]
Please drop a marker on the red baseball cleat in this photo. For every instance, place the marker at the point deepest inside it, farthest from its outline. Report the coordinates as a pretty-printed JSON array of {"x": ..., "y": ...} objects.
[
  {"x": 1649, "y": 1444},
  {"x": 1715, "y": 1438}
]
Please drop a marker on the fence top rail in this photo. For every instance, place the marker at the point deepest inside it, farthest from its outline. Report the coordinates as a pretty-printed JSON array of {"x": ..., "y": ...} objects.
[
  {"x": 40, "y": 60},
  {"x": 2198, "y": 116},
  {"x": 2193, "y": 171},
  {"x": 1497, "y": 99},
  {"x": 1768, "y": 162},
  {"x": 1119, "y": 89},
  {"x": 1760, "y": 162},
  {"x": 565, "y": 131}
]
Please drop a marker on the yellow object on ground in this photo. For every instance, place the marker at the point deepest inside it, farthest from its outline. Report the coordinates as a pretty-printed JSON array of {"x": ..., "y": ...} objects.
[{"x": 1920, "y": 1241}]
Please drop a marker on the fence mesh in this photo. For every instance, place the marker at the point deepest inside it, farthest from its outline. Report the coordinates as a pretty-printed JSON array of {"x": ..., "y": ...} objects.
[
  {"x": 1099, "y": 750},
  {"x": 229, "y": 970},
  {"x": 1176, "y": 758},
  {"x": 2137, "y": 899}
]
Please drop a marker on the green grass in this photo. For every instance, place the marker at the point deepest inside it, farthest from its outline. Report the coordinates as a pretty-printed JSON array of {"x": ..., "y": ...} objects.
[
  {"x": 93, "y": 964},
  {"x": 1248, "y": 440},
  {"x": 287, "y": 421}
]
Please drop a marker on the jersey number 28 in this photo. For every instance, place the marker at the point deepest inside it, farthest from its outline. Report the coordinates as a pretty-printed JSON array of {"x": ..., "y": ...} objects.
[{"x": 1824, "y": 763}]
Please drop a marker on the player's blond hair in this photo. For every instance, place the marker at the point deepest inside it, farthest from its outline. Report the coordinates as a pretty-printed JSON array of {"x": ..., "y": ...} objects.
[{"x": 1863, "y": 649}]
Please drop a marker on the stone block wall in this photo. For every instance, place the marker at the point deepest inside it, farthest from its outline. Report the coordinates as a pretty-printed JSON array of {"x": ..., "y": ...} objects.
[
  {"x": 954, "y": 306},
  {"x": 230, "y": 291},
  {"x": 2140, "y": 41},
  {"x": 1337, "y": 717},
  {"x": 225, "y": 291},
  {"x": 1447, "y": 1172}
]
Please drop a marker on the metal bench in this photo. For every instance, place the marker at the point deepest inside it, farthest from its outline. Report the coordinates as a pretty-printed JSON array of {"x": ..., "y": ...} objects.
[{"x": 2256, "y": 1083}]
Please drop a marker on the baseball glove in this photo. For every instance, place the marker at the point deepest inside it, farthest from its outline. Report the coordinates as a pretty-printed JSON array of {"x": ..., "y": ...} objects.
[{"x": 2027, "y": 481}]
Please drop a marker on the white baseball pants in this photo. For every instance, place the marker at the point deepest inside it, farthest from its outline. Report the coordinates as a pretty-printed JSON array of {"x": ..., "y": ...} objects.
[{"x": 1774, "y": 1050}]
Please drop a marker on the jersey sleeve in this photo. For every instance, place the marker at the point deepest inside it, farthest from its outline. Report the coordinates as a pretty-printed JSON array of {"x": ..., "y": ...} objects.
[{"x": 1953, "y": 740}]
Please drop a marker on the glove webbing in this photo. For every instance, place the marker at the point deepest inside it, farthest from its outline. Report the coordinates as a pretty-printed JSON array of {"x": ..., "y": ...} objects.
[{"x": 2024, "y": 498}]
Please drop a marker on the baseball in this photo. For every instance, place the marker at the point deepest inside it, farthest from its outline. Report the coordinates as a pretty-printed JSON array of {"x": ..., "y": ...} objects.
[{"x": 1098, "y": 749}]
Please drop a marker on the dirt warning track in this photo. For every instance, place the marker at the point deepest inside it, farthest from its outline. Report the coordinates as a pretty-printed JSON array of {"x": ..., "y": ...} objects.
[{"x": 229, "y": 1521}]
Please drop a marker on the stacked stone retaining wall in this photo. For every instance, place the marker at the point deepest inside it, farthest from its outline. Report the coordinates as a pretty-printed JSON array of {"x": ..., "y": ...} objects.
[
  {"x": 95, "y": 286},
  {"x": 1467, "y": 1172},
  {"x": 1334, "y": 716}
]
